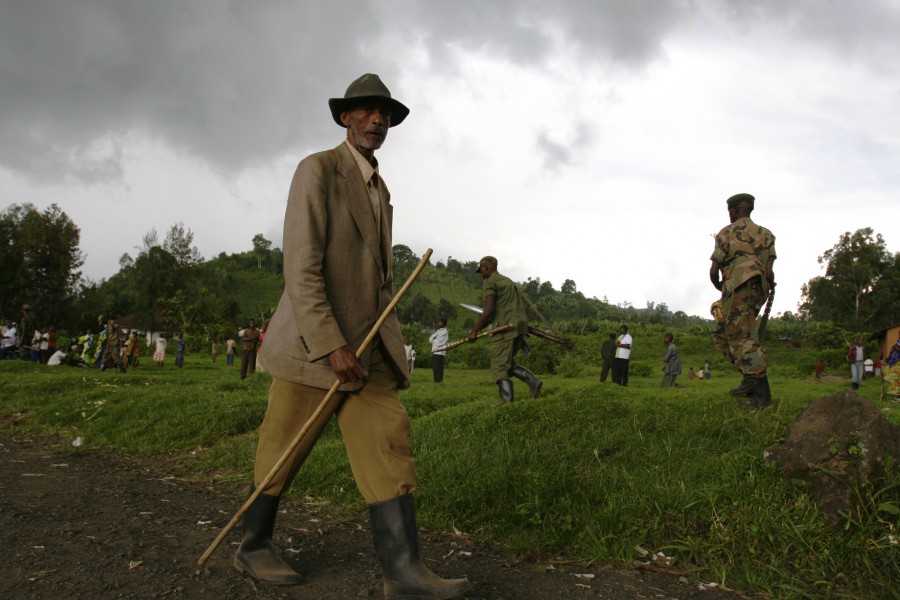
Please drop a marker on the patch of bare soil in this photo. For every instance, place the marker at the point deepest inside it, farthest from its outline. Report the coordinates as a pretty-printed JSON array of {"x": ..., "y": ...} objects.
[{"x": 96, "y": 525}]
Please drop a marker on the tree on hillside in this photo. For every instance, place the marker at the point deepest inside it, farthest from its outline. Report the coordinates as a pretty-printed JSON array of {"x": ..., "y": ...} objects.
[
  {"x": 446, "y": 310},
  {"x": 158, "y": 272},
  {"x": 178, "y": 244},
  {"x": 860, "y": 287},
  {"x": 152, "y": 279},
  {"x": 417, "y": 308},
  {"x": 39, "y": 262},
  {"x": 403, "y": 254},
  {"x": 261, "y": 249}
]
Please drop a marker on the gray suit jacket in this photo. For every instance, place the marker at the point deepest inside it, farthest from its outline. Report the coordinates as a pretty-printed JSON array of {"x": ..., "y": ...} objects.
[{"x": 338, "y": 275}]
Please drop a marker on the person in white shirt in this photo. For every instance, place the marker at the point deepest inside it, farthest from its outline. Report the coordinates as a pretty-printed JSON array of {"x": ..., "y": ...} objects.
[
  {"x": 623, "y": 353},
  {"x": 35, "y": 346},
  {"x": 439, "y": 338},
  {"x": 56, "y": 358},
  {"x": 8, "y": 343},
  {"x": 855, "y": 357},
  {"x": 410, "y": 355}
]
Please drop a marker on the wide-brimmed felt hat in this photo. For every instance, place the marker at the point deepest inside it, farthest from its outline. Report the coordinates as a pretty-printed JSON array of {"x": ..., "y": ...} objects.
[{"x": 367, "y": 87}]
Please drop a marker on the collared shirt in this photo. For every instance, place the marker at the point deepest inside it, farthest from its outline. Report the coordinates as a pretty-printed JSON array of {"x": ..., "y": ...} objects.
[
  {"x": 370, "y": 176},
  {"x": 624, "y": 352},
  {"x": 438, "y": 339}
]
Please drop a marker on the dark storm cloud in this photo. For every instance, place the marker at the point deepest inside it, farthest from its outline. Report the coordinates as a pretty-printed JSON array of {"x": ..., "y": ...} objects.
[
  {"x": 624, "y": 31},
  {"x": 232, "y": 83},
  {"x": 236, "y": 83}
]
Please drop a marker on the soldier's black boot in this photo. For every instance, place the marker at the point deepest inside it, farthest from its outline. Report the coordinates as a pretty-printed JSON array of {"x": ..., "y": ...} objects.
[
  {"x": 745, "y": 388},
  {"x": 256, "y": 556},
  {"x": 397, "y": 549},
  {"x": 762, "y": 395},
  {"x": 506, "y": 391},
  {"x": 534, "y": 384}
]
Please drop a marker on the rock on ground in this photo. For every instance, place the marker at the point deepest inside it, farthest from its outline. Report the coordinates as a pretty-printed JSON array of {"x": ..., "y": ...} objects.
[{"x": 838, "y": 442}]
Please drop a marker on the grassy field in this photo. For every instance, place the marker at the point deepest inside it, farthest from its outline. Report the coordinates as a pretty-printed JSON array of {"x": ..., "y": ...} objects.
[{"x": 586, "y": 473}]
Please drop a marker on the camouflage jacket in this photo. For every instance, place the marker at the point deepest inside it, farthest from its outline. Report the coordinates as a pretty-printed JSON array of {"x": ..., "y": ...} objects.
[{"x": 743, "y": 249}]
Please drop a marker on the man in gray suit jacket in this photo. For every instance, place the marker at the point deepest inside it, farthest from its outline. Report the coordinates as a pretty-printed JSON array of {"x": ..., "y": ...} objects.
[{"x": 338, "y": 280}]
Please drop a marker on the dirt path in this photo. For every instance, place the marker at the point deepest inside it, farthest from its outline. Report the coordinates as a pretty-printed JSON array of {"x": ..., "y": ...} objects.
[{"x": 98, "y": 525}]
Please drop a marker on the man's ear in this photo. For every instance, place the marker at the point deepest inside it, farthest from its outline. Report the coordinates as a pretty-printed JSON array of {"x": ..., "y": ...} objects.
[{"x": 345, "y": 118}]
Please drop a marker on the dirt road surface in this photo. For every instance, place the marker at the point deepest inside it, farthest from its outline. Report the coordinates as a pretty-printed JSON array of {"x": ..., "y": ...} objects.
[{"x": 95, "y": 525}]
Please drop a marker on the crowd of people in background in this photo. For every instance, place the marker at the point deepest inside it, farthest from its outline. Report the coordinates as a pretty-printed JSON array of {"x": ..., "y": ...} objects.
[{"x": 112, "y": 346}]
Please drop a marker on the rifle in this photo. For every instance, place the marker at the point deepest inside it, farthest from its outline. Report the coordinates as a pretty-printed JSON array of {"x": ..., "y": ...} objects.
[
  {"x": 765, "y": 318},
  {"x": 546, "y": 335},
  {"x": 461, "y": 341}
]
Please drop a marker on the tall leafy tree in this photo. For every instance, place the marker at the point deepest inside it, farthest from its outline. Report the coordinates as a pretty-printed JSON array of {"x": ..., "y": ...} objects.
[
  {"x": 261, "y": 249},
  {"x": 40, "y": 260},
  {"x": 152, "y": 280},
  {"x": 178, "y": 243},
  {"x": 859, "y": 287}
]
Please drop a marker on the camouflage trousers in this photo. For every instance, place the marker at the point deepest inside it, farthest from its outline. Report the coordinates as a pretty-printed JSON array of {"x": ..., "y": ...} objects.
[{"x": 736, "y": 335}]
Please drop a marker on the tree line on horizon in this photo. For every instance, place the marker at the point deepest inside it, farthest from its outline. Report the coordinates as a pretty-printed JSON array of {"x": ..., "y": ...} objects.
[{"x": 168, "y": 285}]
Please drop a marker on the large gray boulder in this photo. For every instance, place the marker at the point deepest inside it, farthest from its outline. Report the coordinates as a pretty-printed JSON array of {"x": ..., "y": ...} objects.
[{"x": 839, "y": 444}]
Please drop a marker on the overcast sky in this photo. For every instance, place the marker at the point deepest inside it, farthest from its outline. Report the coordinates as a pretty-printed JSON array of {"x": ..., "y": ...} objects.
[{"x": 584, "y": 140}]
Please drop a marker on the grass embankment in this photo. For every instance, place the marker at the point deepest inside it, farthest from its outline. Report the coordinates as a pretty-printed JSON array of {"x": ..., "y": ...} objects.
[{"x": 586, "y": 473}]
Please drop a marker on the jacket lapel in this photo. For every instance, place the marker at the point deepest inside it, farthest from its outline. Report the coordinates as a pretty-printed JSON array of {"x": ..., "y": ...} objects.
[{"x": 356, "y": 196}]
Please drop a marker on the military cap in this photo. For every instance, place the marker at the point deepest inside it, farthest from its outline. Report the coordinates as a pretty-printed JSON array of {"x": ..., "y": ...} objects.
[
  {"x": 487, "y": 259},
  {"x": 740, "y": 199}
]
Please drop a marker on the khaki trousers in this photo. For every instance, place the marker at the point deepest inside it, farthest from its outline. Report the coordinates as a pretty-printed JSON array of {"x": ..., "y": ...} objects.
[{"x": 373, "y": 423}]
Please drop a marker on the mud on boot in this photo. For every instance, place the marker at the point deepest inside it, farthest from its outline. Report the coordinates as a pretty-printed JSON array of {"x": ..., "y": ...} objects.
[
  {"x": 256, "y": 556},
  {"x": 397, "y": 549}
]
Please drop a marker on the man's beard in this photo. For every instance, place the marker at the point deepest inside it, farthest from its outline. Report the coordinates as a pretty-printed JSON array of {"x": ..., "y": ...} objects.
[{"x": 363, "y": 142}]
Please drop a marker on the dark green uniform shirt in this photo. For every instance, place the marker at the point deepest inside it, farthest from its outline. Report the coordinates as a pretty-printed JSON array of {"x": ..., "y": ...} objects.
[{"x": 509, "y": 306}]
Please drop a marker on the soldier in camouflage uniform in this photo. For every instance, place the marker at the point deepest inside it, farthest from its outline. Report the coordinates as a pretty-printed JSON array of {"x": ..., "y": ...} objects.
[
  {"x": 113, "y": 356},
  {"x": 743, "y": 256}
]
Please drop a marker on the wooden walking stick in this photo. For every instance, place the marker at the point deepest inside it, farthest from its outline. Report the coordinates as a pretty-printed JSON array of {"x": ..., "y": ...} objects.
[{"x": 315, "y": 416}]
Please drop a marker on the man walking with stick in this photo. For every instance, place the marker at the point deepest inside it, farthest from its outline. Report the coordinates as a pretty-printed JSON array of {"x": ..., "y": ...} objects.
[{"x": 338, "y": 280}]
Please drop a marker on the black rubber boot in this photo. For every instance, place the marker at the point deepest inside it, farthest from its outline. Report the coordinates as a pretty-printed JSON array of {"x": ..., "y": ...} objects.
[
  {"x": 256, "y": 556},
  {"x": 762, "y": 395},
  {"x": 397, "y": 549},
  {"x": 534, "y": 384},
  {"x": 506, "y": 391},
  {"x": 745, "y": 388}
]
